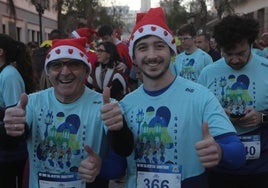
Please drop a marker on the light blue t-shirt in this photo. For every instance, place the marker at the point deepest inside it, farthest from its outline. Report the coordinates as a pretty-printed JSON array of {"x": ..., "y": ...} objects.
[
  {"x": 166, "y": 127},
  {"x": 263, "y": 52},
  {"x": 189, "y": 66},
  {"x": 237, "y": 89},
  {"x": 58, "y": 134},
  {"x": 12, "y": 86}
]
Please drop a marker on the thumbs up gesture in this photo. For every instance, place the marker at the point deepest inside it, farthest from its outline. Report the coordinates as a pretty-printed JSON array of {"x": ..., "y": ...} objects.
[
  {"x": 90, "y": 167},
  {"x": 15, "y": 117},
  {"x": 110, "y": 112},
  {"x": 208, "y": 150}
]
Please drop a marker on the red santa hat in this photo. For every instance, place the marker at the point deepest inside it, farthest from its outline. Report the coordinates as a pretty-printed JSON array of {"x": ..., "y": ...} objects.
[
  {"x": 264, "y": 34},
  {"x": 139, "y": 16},
  {"x": 68, "y": 48},
  {"x": 84, "y": 32},
  {"x": 152, "y": 23}
]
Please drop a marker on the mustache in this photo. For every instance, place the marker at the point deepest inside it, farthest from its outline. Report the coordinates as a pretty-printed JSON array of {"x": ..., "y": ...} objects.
[{"x": 153, "y": 60}]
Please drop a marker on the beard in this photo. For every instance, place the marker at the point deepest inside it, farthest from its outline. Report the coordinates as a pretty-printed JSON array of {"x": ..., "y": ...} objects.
[{"x": 154, "y": 62}]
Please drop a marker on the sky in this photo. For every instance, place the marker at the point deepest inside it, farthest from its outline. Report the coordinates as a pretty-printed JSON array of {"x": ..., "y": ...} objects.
[{"x": 133, "y": 4}]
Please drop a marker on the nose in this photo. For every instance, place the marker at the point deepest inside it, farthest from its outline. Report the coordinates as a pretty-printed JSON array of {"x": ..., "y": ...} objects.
[
  {"x": 234, "y": 58},
  {"x": 151, "y": 53},
  {"x": 65, "y": 69}
]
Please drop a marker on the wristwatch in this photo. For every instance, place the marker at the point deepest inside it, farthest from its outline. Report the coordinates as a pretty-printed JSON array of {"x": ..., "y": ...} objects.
[{"x": 264, "y": 118}]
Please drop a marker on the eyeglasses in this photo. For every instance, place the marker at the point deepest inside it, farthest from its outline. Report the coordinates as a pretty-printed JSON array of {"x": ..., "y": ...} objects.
[
  {"x": 72, "y": 64},
  {"x": 241, "y": 55},
  {"x": 184, "y": 38},
  {"x": 100, "y": 51}
]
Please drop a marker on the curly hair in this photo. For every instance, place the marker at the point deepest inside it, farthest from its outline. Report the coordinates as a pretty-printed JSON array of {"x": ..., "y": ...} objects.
[{"x": 234, "y": 28}]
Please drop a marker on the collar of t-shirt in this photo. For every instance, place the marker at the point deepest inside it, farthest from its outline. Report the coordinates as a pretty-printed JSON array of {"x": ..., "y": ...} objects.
[{"x": 158, "y": 92}]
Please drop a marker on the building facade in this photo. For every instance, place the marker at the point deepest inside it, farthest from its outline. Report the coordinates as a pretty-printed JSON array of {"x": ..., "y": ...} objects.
[
  {"x": 145, "y": 5},
  {"x": 26, "y": 26},
  {"x": 258, "y": 9}
]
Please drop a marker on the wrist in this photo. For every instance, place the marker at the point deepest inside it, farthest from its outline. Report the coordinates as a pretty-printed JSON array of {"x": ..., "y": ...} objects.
[{"x": 264, "y": 118}]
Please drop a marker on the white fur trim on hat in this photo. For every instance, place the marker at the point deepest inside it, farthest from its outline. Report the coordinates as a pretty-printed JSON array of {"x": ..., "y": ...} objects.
[
  {"x": 154, "y": 30},
  {"x": 68, "y": 48},
  {"x": 75, "y": 34}
]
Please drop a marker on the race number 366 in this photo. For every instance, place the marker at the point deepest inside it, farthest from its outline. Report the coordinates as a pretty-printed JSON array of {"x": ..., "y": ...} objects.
[{"x": 158, "y": 176}]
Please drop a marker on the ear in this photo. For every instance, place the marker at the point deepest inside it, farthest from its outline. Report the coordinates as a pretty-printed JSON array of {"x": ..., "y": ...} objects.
[{"x": 88, "y": 71}]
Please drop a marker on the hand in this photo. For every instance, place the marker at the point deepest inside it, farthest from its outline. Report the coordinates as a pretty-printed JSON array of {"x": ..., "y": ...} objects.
[
  {"x": 121, "y": 67},
  {"x": 15, "y": 117},
  {"x": 90, "y": 167},
  {"x": 251, "y": 119},
  {"x": 227, "y": 111},
  {"x": 110, "y": 112},
  {"x": 208, "y": 150}
]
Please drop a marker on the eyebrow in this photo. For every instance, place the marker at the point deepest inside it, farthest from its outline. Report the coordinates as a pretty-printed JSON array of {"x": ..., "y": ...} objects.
[
  {"x": 230, "y": 53},
  {"x": 146, "y": 43}
]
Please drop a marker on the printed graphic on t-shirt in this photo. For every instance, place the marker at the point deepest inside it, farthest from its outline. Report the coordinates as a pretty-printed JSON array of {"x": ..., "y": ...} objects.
[
  {"x": 234, "y": 94},
  {"x": 153, "y": 136},
  {"x": 188, "y": 70},
  {"x": 59, "y": 143}
]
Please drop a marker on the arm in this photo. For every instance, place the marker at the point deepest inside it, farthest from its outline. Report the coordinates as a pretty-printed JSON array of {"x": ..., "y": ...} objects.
[
  {"x": 90, "y": 167},
  {"x": 122, "y": 141},
  {"x": 225, "y": 150},
  {"x": 14, "y": 119},
  {"x": 9, "y": 142},
  {"x": 119, "y": 134},
  {"x": 251, "y": 118},
  {"x": 14, "y": 129},
  {"x": 264, "y": 117},
  {"x": 233, "y": 151}
]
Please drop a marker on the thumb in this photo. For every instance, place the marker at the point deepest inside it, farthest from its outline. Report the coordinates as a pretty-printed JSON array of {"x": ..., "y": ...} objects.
[
  {"x": 106, "y": 95},
  {"x": 206, "y": 133},
  {"x": 89, "y": 150},
  {"x": 23, "y": 101}
]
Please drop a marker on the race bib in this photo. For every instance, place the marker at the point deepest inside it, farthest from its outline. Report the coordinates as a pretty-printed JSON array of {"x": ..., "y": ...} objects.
[
  {"x": 252, "y": 144},
  {"x": 153, "y": 175},
  {"x": 47, "y": 180}
]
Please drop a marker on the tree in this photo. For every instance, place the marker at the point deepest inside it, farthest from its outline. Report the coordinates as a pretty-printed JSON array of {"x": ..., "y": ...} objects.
[
  {"x": 223, "y": 6},
  {"x": 203, "y": 15},
  {"x": 199, "y": 14},
  {"x": 58, "y": 8},
  {"x": 176, "y": 14},
  {"x": 87, "y": 13}
]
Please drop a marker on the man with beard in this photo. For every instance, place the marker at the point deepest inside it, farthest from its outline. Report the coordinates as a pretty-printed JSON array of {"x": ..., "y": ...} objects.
[
  {"x": 239, "y": 81},
  {"x": 62, "y": 125},
  {"x": 179, "y": 127}
]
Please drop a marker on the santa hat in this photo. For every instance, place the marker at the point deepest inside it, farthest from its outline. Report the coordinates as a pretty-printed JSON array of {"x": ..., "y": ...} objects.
[
  {"x": 152, "y": 23},
  {"x": 139, "y": 16},
  {"x": 84, "y": 32},
  {"x": 68, "y": 48},
  {"x": 264, "y": 34}
]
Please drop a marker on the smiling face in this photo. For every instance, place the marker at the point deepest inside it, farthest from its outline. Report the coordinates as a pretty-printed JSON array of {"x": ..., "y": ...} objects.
[
  {"x": 152, "y": 56},
  {"x": 67, "y": 77}
]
